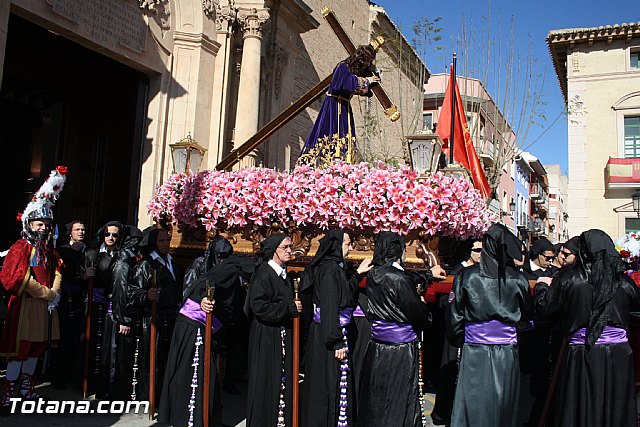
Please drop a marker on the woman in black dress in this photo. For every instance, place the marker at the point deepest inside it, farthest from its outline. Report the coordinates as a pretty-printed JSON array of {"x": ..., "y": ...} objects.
[
  {"x": 591, "y": 301},
  {"x": 327, "y": 398},
  {"x": 270, "y": 308}
]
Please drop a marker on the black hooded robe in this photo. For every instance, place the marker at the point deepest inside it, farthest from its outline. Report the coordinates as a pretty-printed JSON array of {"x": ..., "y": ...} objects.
[
  {"x": 390, "y": 392},
  {"x": 139, "y": 308},
  {"x": 176, "y": 389},
  {"x": 270, "y": 309},
  {"x": 488, "y": 388},
  {"x": 596, "y": 385},
  {"x": 332, "y": 292},
  {"x": 67, "y": 363}
]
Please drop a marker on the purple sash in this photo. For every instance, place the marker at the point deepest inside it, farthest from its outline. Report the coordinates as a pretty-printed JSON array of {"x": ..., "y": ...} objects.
[
  {"x": 345, "y": 316},
  {"x": 492, "y": 332},
  {"x": 192, "y": 310},
  {"x": 100, "y": 296},
  {"x": 610, "y": 335},
  {"x": 358, "y": 312},
  {"x": 392, "y": 332}
]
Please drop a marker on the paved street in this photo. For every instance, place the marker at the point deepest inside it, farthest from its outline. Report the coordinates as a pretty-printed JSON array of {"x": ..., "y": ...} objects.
[{"x": 233, "y": 413}]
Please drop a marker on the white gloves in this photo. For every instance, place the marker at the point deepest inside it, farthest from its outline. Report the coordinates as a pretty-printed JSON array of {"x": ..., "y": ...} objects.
[{"x": 53, "y": 304}]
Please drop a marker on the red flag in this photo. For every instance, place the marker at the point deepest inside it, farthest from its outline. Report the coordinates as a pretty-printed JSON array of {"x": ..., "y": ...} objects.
[{"x": 463, "y": 150}]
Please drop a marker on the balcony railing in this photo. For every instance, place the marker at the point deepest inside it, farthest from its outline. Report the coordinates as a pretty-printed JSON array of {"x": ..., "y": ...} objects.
[{"x": 622, "y": 173}]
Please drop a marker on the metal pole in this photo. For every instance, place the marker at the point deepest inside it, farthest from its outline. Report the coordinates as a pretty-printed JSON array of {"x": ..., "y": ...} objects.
[
  {"x": 453, "y": 108},
  {"x": 153, "y": 332}
]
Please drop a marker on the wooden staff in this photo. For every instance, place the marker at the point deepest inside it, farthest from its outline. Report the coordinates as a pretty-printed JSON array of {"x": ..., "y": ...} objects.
[
  {"x": 87, "y": 333},
  {"x": 207, "y": 357},
  {"x": 152, "y": 347},
  {"x": 296, "y": 355},
  {"x": 554, "y": 381}
]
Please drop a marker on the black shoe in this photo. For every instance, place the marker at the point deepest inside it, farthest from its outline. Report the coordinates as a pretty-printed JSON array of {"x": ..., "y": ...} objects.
[
  {"x": 231, "y": 388},
  {"x": 437, "y": 420}
]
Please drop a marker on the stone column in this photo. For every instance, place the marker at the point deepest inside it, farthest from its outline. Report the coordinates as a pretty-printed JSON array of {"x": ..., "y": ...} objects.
[
  {"x": 252, "y": 22},
  {"x": 225, "y": 22}
]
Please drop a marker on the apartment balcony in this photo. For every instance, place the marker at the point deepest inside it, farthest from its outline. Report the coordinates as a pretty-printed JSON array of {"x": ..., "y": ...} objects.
[
  {"x": 622, "y": 173},
  {"x": 524, "y": 221},
  {"x": 540, "y": 228},
  {"x": 537, "y": 192},
  {"x": 542, "y": 204},
  {"x": 484, "y": 149}
]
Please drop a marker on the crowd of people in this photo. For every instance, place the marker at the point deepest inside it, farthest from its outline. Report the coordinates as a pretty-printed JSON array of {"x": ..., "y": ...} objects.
[{"x": 128, "y": 324}]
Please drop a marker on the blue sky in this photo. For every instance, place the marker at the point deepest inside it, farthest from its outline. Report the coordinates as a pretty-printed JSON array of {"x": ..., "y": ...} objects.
[{"x": 533, "y": 19}]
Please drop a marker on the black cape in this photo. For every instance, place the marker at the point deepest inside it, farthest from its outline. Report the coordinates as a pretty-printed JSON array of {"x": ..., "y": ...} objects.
[
  {"x": 596, "y": 386},
  {"x": 140, "y": 310},
  {"x": 332, "y": 292},
  {"x": 392, "y": 399},
  {"x": 176, "y": 388},
  {"x": 487, "y": 392}
]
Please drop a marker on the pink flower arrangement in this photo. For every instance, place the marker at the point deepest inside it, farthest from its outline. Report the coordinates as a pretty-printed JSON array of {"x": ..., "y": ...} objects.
[{"x": 362, "y": 196}]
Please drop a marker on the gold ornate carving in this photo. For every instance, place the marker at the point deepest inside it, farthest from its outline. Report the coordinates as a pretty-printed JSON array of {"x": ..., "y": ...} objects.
[
  {"x": 328, "y": 151},
  {"x": 363, "y": 242},
  {"x": 301, "y": 239},
  {"x": 377, "y": 42},
  {"x": 393, "y": 113},
  {"x": 427, "y": 249}
]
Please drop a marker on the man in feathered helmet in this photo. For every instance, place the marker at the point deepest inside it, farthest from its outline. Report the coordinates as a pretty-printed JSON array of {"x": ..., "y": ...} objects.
[{"x": 31, "y": 275}]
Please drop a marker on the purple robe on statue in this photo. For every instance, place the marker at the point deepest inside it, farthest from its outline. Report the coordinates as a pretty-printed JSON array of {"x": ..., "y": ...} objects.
[{"x": 332, "y": 137}]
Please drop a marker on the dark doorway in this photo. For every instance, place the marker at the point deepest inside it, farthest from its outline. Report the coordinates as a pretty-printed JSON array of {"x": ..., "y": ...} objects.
[{"x": 63, "y": 104}]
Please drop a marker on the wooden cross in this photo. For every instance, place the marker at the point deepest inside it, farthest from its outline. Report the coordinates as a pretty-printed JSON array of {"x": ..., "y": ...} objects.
[{"x": 305, "y": 100}]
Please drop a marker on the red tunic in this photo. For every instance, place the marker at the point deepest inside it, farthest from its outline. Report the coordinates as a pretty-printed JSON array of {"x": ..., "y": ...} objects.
[{"x": 15, "y": 274}]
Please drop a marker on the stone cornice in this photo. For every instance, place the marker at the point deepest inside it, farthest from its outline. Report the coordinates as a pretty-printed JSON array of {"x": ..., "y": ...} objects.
[
  {"x": 297, "y": 15},
  {"x": 560, "y": 41},
  {"x": 607, "y": 33},
  {"x": 194, "y": 39}
]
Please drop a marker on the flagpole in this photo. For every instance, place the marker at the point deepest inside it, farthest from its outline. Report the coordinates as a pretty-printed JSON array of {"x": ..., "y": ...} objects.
[{"x": 453, "y": 108}]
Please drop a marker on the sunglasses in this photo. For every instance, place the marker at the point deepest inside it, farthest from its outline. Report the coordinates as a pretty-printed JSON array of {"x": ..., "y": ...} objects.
[
  {"x": 566, "y": 254},
  {"x": 114, "y": 235},
  {"x": 549, "y": 258},
  {"x": 478, "y": 250}
]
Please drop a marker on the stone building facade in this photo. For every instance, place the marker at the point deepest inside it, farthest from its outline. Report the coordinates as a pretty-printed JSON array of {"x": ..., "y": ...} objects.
[
  {"x": 599, "y": 75},
  {"x": 105, "y": 87}
]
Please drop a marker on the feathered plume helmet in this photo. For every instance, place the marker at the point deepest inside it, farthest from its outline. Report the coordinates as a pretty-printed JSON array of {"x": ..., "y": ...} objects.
[{"x": 40, "y": 205}]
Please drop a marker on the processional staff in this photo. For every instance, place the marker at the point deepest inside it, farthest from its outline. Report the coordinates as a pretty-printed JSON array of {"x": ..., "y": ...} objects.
[
  {"x": 89, "y": 263},
  {"x": 296, "y": 356},
  {"x": 153, "y": 332},
  {"x": 207, "y": 356}
]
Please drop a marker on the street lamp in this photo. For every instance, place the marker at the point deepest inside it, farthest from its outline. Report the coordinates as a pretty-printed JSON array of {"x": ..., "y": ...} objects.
[
  {"x": 635, "y": 199},
  {"x": 512, "y": 206},
  {"x": 424, "y": 152},
  {"x": 187, "y": 155}
]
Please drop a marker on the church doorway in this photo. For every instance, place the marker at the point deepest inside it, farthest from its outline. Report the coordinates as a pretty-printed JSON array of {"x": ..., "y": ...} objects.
[{"x": 64, "y": 104}]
